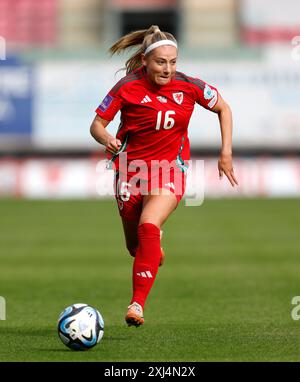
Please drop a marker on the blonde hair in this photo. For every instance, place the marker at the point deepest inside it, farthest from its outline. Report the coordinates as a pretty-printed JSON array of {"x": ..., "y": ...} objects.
[{"x": 145, "y": 38}]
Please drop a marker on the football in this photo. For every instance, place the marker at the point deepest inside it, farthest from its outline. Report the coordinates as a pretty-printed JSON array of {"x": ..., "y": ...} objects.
[{"x": 80, "y": 327}]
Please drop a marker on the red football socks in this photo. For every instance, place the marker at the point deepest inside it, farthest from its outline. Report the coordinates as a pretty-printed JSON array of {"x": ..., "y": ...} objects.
[{"x": 146, "y": 262}]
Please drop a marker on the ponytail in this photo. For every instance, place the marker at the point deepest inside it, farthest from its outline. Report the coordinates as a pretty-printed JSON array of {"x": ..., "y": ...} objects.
[{"x": 144, "y": 38}]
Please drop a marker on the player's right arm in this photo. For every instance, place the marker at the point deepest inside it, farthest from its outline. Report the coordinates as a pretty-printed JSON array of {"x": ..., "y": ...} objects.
[
  {"x": 105, "y": 113},
  {"x": 101, "y": 135}
]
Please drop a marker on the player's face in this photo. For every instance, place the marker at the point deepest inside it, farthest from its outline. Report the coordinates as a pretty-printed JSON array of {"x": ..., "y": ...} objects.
[{"x": 161, "y": 64}]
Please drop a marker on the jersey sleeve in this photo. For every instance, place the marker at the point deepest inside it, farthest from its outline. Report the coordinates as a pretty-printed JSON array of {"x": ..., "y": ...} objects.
[
  {"x": 205, "y": 94},
  {"x": 110, "y": 105}
]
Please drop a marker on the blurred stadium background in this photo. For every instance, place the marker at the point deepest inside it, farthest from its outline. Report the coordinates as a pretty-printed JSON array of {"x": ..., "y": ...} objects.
[
  {"x": 235, "y": 260},
  {"x": 55, "y": 70}
]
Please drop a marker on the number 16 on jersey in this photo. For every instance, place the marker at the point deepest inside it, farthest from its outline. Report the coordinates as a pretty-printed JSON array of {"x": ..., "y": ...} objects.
[{"x": 168, "y": 121}]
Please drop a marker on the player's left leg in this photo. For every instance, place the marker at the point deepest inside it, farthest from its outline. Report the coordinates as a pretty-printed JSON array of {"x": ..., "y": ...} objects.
[{"x": 156, "y": 209}]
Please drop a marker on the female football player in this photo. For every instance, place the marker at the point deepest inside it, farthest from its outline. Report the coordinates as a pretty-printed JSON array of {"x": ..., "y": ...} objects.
[{"x": 151, "y": 148}]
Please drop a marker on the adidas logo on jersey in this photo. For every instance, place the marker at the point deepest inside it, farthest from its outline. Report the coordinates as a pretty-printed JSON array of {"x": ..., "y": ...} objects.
[{"x": 146, "y": 99}]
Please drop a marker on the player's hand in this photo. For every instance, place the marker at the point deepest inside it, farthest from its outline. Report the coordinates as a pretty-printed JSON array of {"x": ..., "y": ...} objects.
[
  {"x": 113, "y": 145},
  {"x": 225, "y": 167}
]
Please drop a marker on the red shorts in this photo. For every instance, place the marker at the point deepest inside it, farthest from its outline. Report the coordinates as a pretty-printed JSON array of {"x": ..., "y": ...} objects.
[{"x": 130, "y": 190}]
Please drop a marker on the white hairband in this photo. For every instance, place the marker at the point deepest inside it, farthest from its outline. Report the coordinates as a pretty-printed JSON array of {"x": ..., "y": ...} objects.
[{"x": 160, "y": 43}]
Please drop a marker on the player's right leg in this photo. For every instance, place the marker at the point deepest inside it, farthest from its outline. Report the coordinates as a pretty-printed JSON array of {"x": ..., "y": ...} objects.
[{"x": 130, "y": 233}]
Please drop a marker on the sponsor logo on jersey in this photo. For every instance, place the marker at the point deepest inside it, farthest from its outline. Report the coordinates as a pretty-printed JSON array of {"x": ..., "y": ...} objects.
[
  {"x": 162, "y": 99},
  {"x": 211, "y": 94},
  {"x": 146, "y": 99},
  {"x": 178, "y": 97},
  {"x": 106, "y": 102}
]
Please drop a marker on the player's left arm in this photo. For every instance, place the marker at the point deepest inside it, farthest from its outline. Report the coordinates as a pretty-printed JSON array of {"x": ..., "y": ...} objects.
[{"x": 225, "y": 161}]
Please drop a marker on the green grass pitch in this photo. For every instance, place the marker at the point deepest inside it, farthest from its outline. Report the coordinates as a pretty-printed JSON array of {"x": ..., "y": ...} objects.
[{"x": 224, "y": 293}]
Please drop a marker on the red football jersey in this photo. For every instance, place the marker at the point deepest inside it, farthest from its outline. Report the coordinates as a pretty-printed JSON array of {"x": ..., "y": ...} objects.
[{"x": 154, "y": 119}]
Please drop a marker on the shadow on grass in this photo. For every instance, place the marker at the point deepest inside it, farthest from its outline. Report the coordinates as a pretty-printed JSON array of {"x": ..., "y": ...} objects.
[
  {"x": 66, "y": 349},
  {"x": 50, "y": 342},
  {"x": 32, "y": 332}
]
